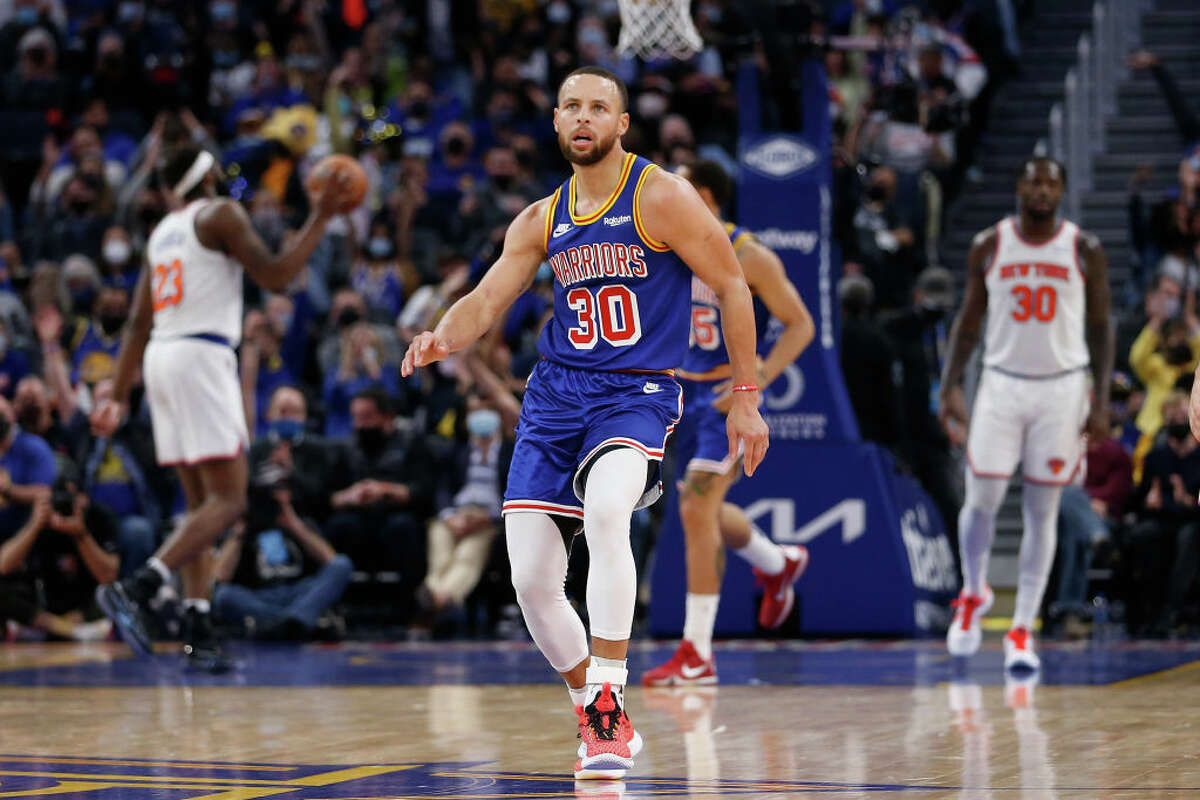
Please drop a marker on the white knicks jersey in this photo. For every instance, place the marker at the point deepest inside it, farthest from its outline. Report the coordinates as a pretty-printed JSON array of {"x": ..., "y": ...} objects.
[
  {"x": 1037, "y": 304},
  {"x": 195, "y": 289}
]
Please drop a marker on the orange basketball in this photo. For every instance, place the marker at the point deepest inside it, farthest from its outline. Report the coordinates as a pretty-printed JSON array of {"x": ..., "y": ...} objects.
[{"x": 331, "y": 165}]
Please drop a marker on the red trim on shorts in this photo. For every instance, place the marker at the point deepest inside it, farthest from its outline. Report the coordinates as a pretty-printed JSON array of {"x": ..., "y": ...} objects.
[
  {"x": 545, "y": 508},
  {"x": 205, "y": 460},
  {"x": 978, "y": 474}
]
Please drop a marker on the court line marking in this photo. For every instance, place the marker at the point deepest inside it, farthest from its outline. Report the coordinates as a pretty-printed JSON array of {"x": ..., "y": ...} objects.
[
  {"x": 1178, "y": 669},
  {"x": 104, "y": 762}
]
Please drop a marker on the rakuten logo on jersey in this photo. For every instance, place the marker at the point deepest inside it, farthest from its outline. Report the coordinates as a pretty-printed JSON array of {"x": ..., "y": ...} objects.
[
  {"x": 776, "y": 239},
  {"x": 612, "y": 222}
]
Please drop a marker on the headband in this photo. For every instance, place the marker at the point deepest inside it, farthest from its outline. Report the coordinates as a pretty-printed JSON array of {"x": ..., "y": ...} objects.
[{"x": 196, "y": 172}]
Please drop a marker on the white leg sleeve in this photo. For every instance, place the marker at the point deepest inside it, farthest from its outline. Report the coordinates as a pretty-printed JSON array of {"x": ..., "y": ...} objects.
[
  {"x": 614, "y": 485},
  {"x": 539, "y": 568},
  {"x": 1039, "y": 505},
  {"x": 977, "y": 528}
]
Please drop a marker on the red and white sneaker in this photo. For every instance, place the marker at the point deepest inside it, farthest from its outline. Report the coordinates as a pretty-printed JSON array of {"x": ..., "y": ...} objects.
[
  {"x": 1018, "y": 651},
  {"x": 779, "y": 593},
  {"x": 965, "y": 633},
  {"x": 607, "y": 739},
  {"x": 686, "y": 668}
]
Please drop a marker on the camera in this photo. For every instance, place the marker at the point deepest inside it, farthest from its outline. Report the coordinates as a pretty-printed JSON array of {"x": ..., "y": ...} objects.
[{"x": 62, "y": 498}]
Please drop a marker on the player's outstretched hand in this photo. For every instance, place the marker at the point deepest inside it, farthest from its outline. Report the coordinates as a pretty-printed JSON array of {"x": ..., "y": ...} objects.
[
  {"x": 952, "y": 413},
  {"x": 747, "y": 432},
  {"x": 426, "y": 348},
  {"x": 106, "y": 418}
]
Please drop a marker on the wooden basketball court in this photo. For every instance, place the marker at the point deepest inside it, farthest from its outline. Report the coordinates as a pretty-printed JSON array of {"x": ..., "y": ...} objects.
[{"x": 487, "y": 721}]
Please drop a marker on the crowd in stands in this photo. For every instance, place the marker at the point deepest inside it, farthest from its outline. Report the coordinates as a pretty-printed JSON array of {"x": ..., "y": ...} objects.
[{"x": 391, "y": 487}]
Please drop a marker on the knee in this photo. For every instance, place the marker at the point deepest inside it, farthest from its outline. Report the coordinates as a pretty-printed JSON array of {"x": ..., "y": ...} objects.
[
  {"x": 231, "y": 504},
  {"x": 692, "y": 509},
  {"x": 341, "y": 566}
]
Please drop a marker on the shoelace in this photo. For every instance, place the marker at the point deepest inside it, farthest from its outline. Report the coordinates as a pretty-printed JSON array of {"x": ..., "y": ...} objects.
[
  {"x": 603, "y": 723},
  {"x": 968, "y": 604}
]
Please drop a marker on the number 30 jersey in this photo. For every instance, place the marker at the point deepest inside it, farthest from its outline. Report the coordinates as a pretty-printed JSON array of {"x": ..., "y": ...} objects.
[
  {"x": 195, "y": 289},
  {"x": 621, "y": 299},
  {"x": 1036, "y": 304}
]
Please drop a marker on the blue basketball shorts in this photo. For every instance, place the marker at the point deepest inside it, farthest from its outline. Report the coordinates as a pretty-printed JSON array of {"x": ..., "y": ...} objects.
[
  {"x": 701, "y": 440},
  {"x": 569, "y": 417}
]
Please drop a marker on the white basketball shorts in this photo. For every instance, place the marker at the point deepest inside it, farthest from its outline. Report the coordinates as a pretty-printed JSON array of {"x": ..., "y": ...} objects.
[
  {"x": 195, "y": 401},
  {"x": 1029, "y": 421}
]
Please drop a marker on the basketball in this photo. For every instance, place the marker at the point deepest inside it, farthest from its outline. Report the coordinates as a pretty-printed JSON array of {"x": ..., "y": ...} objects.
[{"x": 330, "y": 165}]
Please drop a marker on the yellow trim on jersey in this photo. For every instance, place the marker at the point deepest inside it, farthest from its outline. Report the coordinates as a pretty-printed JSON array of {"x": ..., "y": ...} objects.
[
  {"x": 653, "y": 244},
  {"x": 626, "y": 168},
  {"x": 742, "y": 238},
  {"x": 550, "y": 218}
]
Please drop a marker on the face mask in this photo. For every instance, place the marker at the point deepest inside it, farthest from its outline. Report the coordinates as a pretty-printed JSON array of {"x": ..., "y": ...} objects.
[
  {"x": 1178, "y": 431},
  {"x": 28, "y": 416},
  {"x": 111, "y": 323},
  {"x": 456, "y": 146},
  {"x": 483, "y": 422},
  {"x": 651, "y": 105},
  {"x": 304, "y": 63},
  {"x": 149, "y": 215},
  {"x": 117, "y": 252},
  {"x": 81, "y": 301},
  {"x": 1179, "y": 353},
  {"x": 348, "y": 317},
  {"x": 222, "y": 12},
  {"x": 371, "y": 440},
  {"x": 525, "y": 159},
  {"x": 418, "y": 109},
  {"x": 503, "y": 182},
  {"x": 226, "y": 59},
  {"x": 558, "y": 13},
  {"x": 286, "y": 429},
  {"x": 876, "y": 193},
  {"x": 80, "y": 206},
  {"x": 129, "y": 12},
  {"x": 379, "y": 247},
  {"x": 26, "y": 16},
  {"x": 593, "y": 36}
]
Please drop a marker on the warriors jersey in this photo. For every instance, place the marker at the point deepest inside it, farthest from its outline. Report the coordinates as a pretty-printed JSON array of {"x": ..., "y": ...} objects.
[
  {"x": 195, "y": 289},
  {"x": 1036, "y": 304},
  {"x": 706, "y": 349},
  {"x": 620, "y": 298}
]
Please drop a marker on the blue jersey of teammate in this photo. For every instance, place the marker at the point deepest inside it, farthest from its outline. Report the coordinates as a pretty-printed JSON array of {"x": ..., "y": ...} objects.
[
  {"x": 617, "y": 291},
  {"x": 706, "y": 349}
]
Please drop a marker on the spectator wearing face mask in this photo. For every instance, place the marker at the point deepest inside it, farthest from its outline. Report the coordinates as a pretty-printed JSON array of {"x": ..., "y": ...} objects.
[
  {"x": 375, "y": 275},
  {"x": 118, "y": 264},
  {"x": 360, "y": 366},
  {"x": 273, "y": 353},
  {"x": 378, "y": 520},
  {"x": 457, "y": 170},
  {"x": 92, "y": 342},
  {"x": 14, "y": 363},
  {"x": 1166, "y": 543},
  {"x": 1165, "y": 351}
]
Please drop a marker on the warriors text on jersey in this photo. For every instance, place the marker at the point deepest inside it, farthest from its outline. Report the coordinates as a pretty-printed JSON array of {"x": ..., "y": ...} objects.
[
  {"x": 1036, "y": 304},
  {"x": 195, "y": 289},
  {"x": 618, "y": 294},
  {"x": 707, "y": 349}
]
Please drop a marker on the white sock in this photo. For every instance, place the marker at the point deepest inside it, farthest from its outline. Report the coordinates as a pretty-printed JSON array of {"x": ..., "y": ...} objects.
[
  {"x": 977, "y": 528},
  {"x": 1039, "y": 540},
  {"x": 159, "y": 567},
  {"x": 198, "y": 603},
  {"x": 578, "y": 696},
  {"x": 699, "y": 619},
  {"x": 607, "y": 670},
  {"x": 761, "y": 552}
]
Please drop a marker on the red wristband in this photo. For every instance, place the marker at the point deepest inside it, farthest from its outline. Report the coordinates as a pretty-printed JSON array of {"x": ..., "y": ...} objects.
[{"x": 745, "y": 387}]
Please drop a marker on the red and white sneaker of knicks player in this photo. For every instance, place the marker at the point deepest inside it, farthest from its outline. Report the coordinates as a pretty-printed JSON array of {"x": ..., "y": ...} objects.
[
  {"x": 1018, "y": 651},
  {"x": 779, "y": 592},
  {"x": 965, "y": 633},
  {"x": 607, "y": 740},
  {"x": 686, "y": 668}
]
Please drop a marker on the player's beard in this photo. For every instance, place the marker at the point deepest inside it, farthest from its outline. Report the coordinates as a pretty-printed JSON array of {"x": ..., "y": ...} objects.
[{"x": 600, "y": 148}]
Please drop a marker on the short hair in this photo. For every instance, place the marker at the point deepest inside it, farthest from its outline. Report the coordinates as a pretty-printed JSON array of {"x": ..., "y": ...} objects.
[
  {"x": 379, "y": 396},
  {"x": 601, "y": 72},
  {"x": 179, "y": 161},
  {"x": 1035, "y": 160},
  {"x": 706, "y": 174}
]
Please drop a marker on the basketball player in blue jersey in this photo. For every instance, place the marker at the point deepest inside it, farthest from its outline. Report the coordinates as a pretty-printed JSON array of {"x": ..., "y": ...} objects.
[
  {"x": 623, "y": 238},
  {"x": 709, "y": 523}
]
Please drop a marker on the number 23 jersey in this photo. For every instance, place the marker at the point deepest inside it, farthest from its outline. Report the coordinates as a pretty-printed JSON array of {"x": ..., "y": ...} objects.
[
  {"x": 194, "y": 289},
  {"x": 621, "y": 299},
  {"x": 1036, "y": 304}
]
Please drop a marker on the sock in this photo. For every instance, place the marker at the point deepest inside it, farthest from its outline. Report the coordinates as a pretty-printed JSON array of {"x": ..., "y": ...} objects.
[
  {"x": 198, "y": 603},
  {"x": 763, "y": 553},
  {"x": 159, "y": 568},
  {"x": 607, "y": 670},
  {"x": 1039, "y": 540},
  {"x": 578, "y": 696},
  {"x": 977, "y": 528},
  {"x": 698, "y": 622}
]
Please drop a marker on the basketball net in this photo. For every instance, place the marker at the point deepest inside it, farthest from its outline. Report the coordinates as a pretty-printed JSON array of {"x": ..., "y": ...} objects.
[{"x": 658, "y": 28}]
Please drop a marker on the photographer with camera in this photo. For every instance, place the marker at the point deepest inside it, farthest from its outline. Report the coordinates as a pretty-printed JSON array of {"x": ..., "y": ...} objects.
[
  {"x": 275, "y": 575},
  {"x": 50, "y": 568}
]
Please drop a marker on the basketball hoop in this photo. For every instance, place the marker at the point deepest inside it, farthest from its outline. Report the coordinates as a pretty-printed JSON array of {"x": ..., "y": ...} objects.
[{"x": 658, "y": 28}]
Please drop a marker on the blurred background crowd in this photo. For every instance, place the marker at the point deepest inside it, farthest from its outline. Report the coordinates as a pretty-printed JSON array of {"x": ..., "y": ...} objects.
[{"x": 375, "y": 500}]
